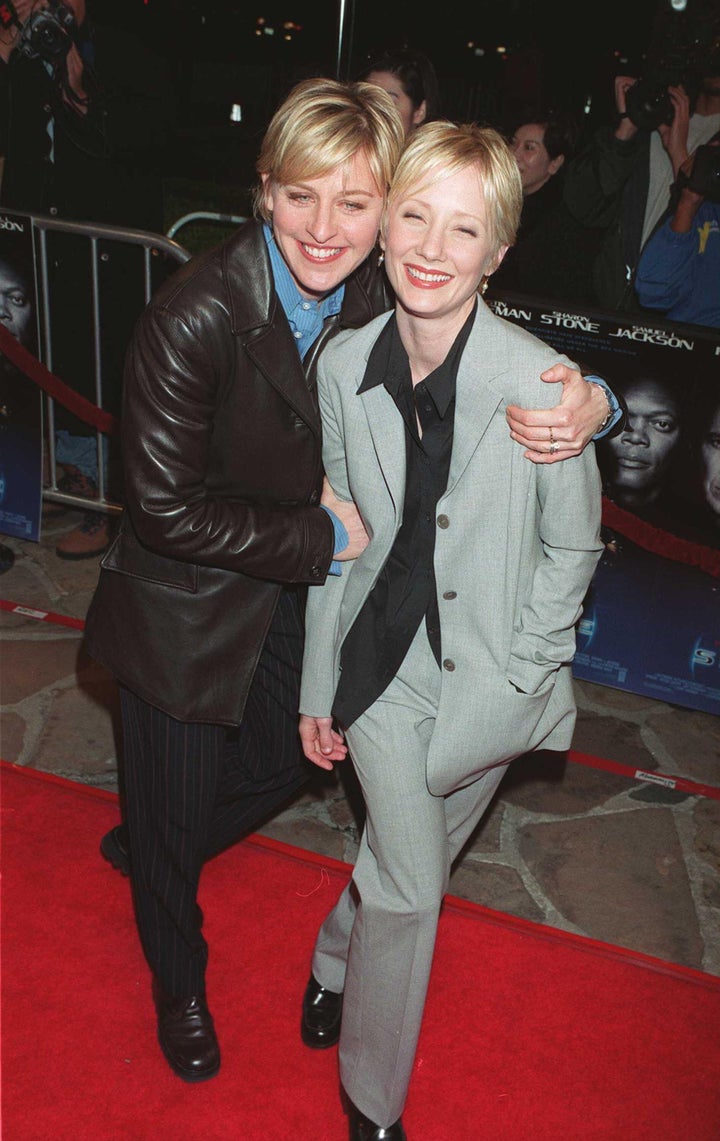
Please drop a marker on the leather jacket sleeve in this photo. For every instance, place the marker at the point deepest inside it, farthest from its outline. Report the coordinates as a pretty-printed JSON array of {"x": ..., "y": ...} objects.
[{"x": 179, "y": 506}]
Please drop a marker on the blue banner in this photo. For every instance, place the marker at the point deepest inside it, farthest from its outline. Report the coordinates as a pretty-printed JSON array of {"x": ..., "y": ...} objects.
[{"x": 651, "y": 621}]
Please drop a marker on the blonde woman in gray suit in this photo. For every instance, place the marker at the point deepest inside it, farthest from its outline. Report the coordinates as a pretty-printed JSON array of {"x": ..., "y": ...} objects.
[{"x": 445, "y": 649}]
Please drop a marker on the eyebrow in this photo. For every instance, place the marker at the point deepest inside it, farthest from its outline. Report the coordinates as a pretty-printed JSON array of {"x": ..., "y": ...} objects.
[
  {"x": 458, "y": 214},
  {"x": 344, "y": 190}
]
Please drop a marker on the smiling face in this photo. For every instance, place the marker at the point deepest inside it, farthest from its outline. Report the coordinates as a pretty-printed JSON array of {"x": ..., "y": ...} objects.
[
  {"x": 325, "y": 227},
  {"x": 534, "y": 163},
  {"x": 438, "y": 246},
  {"x": 710, "y": 453},
  {"x": 642, "y": 452}
]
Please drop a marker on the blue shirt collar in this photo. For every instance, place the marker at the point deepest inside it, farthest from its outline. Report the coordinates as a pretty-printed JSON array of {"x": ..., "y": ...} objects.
[{"x": 305, "y": 317}]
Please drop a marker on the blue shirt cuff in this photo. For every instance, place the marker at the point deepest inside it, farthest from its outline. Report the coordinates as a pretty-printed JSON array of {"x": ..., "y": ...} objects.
[
  {"x": 341, "y": 540},
  {"x": 615, "y": 409}
]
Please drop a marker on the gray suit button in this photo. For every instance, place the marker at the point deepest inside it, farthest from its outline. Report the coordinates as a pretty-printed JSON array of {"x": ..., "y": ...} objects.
[
  {"x": 316, "y": 572},
  {"x": 450, "y": 594},
  {"x": 449, "y": 665},
  {"x": 443, "y": 521}
]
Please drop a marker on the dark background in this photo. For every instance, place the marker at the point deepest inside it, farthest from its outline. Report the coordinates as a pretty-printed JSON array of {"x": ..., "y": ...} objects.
[
  {"x": 221, "y": 53},
  {"x": 216, "y": 53}
]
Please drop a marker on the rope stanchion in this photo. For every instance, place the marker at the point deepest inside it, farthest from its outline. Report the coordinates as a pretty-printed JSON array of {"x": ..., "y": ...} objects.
[{"x": 36, "y": 371}]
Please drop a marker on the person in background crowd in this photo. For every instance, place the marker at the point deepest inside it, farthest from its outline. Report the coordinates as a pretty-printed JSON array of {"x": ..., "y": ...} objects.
[
  {"x": 198, "y": 610},
  {"x": 553, "y": 254},
  {"x": 679, "y": 268},
  {"x": 84, "y": 133},
  {"x": 410, "y": 80},
  {"x": 444, "y": 651},
  {"x": 621, "y": 181}
]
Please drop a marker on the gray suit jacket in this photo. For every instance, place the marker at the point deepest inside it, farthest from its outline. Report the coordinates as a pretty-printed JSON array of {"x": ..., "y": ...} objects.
[{"x": 516, "y": 547}]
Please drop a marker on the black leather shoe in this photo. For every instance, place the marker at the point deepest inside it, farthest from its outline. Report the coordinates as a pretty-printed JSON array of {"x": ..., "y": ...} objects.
[
  {"x": 115, "y": 848},
  {"x": 321, "y": 1016},
  {"x": 187, "y": 1035},
  {"x": 363, "y": 1129}
]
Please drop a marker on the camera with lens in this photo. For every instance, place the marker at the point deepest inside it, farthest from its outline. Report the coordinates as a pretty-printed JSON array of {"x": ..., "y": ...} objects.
[
  {"x": 649, "y": 104},
  {"x": 48, "y": 34},
  {"x": 684, "y": 50}
]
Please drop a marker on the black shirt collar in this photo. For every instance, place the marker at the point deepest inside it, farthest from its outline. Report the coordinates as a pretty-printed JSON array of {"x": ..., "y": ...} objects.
[{"x": 388, "y": 364}]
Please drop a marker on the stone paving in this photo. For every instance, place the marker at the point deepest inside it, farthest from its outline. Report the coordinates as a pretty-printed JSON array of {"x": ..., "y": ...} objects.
[{"x": 581, "y": 849}]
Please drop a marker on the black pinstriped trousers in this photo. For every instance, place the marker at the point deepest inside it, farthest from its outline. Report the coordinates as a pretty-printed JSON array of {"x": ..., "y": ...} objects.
[{"x": 192, "y": 789}]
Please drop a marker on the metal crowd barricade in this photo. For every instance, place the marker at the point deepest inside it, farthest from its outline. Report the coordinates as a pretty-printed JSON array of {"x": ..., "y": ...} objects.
[
  {"x": 100, "y": 242},
  {"x": 205, "y": 216}
]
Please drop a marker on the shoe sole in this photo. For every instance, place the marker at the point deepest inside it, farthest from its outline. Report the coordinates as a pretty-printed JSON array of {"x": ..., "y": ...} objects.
[{"x": 110, "y": 852}]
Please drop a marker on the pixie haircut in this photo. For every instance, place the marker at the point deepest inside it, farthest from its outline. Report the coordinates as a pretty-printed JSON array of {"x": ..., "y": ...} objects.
[
  {"x": 321, "y": 125},
  {"x": 437, "y": 150}
]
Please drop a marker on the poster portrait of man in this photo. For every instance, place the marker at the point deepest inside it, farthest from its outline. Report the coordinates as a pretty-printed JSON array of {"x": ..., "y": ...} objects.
[{"x": 20, "y": 399}]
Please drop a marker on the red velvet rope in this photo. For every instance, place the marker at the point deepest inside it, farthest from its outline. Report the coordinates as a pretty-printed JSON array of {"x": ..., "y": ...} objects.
[
  {"x": 660, "y": 542},
  {"x": 637, "y": 530},
  {"x": 73, "y": 401}
]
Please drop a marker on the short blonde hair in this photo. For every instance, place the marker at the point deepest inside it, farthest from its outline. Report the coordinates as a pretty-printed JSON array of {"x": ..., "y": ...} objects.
[
  {"x": 324, "y": 123},
  {"x": 436, "y": 150}
]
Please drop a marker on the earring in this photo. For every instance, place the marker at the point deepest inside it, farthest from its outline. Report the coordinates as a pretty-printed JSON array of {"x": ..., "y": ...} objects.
[
  {"x": 484, "y": 285},
  {"x": 381, "y": 258}
]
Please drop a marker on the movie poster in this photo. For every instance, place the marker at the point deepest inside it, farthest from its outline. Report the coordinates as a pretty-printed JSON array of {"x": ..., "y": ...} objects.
[
  {"x": 651, "y": 624},
  {"x": 20, "y": 399}
]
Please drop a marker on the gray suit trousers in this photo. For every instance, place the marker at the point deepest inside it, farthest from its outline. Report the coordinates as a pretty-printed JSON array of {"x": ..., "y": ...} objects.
[{"x": 377, "y": 943}]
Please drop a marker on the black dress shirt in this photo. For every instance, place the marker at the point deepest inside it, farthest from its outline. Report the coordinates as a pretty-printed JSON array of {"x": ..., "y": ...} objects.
[{"x": 404, "y": 593}]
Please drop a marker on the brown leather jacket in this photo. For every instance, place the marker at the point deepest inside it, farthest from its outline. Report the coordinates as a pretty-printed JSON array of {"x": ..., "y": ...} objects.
[{"x": 223, "y": 470}]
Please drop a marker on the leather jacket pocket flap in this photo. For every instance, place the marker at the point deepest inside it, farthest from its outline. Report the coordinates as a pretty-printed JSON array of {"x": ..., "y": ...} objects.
[{"x": 128, "y": 556}]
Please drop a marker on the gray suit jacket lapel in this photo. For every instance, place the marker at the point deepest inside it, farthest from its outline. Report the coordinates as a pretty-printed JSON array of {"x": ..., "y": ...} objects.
[
  {"x": 387, "y": 429},
  {"x": 477, "y": 395}
]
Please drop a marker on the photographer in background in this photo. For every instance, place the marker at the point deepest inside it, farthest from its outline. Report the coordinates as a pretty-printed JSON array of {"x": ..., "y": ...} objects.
[
  {"x": 86, "y": 125},
  {"x": 622, "y": 180},
  {"x": 87, "y": 117},
  {"x": 679, "y": 268}
]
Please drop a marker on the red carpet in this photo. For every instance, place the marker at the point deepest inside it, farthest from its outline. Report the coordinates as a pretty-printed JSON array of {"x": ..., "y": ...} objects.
[{"x": 529, "y": 1033}]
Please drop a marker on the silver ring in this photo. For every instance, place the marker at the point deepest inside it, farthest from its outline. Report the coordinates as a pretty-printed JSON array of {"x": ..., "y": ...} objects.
[{"x": 553, "y": 448}]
